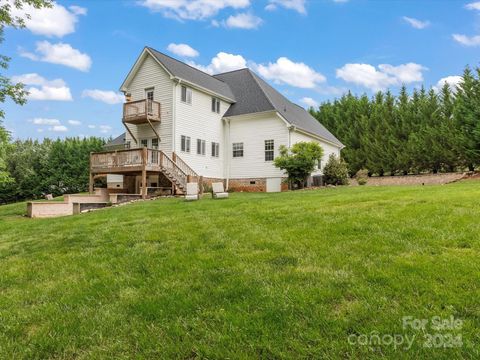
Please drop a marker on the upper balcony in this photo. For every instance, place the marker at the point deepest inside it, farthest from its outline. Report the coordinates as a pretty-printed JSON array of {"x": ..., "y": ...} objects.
[{"x": 141, "y": 112}]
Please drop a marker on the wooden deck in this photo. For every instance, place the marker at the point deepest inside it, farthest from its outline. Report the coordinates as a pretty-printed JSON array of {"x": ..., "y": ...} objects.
[{"x": 140, "y": 162}]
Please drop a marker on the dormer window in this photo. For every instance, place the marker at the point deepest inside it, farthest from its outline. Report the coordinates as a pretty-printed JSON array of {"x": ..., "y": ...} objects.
[
  {"x": 186, "y": 95},
  {"x": 215, "y": 105}
]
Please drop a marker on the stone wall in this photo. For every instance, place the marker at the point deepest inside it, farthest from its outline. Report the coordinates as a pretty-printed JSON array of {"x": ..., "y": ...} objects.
[{"x": 424, "y": 179}]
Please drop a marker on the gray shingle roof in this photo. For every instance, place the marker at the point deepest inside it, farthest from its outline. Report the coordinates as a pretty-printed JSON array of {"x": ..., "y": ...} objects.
[
  {"x": 193, "y": 75},
  {"x": 118, "y": 141},
  {"x": 253, "y": 95}
]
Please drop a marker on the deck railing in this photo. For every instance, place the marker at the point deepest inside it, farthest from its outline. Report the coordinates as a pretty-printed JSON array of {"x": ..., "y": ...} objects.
[
  {"x": 117, "y": 159},
  {"x": 135, "y": 110}
]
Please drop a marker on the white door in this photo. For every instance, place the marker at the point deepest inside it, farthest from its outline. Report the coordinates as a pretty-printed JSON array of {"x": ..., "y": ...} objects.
[{"x": 274, "y": 184}]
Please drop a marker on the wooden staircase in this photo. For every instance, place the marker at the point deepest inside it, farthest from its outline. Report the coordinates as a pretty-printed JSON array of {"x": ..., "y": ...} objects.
[{"x": 177, "y": 171}]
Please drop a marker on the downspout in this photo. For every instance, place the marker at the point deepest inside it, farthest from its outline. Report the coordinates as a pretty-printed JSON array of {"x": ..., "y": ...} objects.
[
  {"x": 227, "y": 157},
  {"x": 174, "y": 114}
]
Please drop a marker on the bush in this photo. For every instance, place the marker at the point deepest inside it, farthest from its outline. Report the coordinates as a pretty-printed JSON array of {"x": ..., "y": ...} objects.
[
  {"x": 362, "y": 177},
  {"x": 335, "y": 171}
]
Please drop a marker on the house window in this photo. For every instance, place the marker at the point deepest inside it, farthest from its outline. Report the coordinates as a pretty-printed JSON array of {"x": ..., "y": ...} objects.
[
  {"x": 200, "y": 147},
  {"x": 319, "y": 164},
  {"x": 215, "y": 105},
  {"x": 237, "y": 150},
  {"x": 215, "y": 149},
  {"x": 186, "y": 95},
  {"x": 127, "y": 144},
  {"x": 185, "y": 143},
  {"x": 144, "y": 143},
  {"x": 269, "y": 150},
  {"x": 155, "y": 143}
]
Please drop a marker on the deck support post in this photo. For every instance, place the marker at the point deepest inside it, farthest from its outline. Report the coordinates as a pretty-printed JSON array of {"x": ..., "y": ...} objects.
[
  {"x": 200, "y": 184},
  {"x": 144, "y": 173},
  {"x": 90, "y": 183}
]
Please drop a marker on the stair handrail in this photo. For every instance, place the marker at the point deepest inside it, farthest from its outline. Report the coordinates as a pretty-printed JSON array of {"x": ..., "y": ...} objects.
[
  {"x": 184, "y": 166},
  {"x": 179, "y": 173}
]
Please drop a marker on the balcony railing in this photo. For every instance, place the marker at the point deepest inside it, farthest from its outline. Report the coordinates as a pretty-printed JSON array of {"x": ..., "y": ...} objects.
[{"x": 141, "y": 111}]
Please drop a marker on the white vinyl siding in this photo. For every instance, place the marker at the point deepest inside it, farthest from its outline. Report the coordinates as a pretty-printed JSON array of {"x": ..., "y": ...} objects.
[
  {"x": 149, "y": 76},
  {"x": 252, "y": 132},
  {"x": 199, "y": 122}
]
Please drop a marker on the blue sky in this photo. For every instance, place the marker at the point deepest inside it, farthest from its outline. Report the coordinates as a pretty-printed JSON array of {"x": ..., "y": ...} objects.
[{"x": 75, "y": 56}]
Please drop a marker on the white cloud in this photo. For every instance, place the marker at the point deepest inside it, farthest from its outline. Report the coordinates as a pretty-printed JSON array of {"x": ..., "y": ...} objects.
[
  {"x": 379, "y": 79},
  {"x": 243, "y": 21},
  {"x": 55, "y": 21},
  {"x": 309, "y": 102},
  {"x": 75, "y": 122},
  {"x": 105, "y": 129},
  {"x": 40, "y": 88},
  {"x": 285, "y": 71},
  {"x": 415, "y": 23},
  {"x": 297, "y": 5},
  {"x": 91, "y": 126},
  {"x": 192, "y": 9},
  {"x": 78, "y": 10},
  {"x": 182, "y": 50},
  {"x": 223, "y": 62},
  {"x": 453, "y": 81},
  {"x": 473, "y": 5},
  {"x": 106, "y": 96},
  {"x": 44, "y": 121},
  {"x": 467, "y": 40},
  {"x": 60, "y": 53},
  {"x": 58, "y": 128},
  {"x": 405, "y": 73}
]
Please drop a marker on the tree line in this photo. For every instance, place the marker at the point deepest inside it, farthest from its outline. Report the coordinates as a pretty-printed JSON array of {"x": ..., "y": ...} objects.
[
  {"x": 427, "y": 131},
  {"x": 30, "y": 169}
]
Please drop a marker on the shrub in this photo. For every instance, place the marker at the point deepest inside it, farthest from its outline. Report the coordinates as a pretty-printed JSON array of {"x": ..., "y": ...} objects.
[
  {"x": 335, "y": 171},
  {"x": 362, "y": 176},
  {"x": 299, "y": 161}
]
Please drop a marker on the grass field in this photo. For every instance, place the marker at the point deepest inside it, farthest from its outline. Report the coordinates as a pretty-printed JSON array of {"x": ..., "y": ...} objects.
[{"x": 271, "y": 276}]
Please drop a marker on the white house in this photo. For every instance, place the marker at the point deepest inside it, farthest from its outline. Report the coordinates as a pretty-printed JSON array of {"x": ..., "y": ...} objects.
[{"x": 226, "y": 127}]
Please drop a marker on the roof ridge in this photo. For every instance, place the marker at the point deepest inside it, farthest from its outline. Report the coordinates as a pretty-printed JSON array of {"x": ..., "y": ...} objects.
[
  {"x": 231, "y": 71},
  {"x": 184, "y": 63},
  {"x": 254, "y": 76}
]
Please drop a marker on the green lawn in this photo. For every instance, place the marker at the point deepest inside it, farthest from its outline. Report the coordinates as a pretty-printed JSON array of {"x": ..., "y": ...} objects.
[{"x": 291, "y": 275}]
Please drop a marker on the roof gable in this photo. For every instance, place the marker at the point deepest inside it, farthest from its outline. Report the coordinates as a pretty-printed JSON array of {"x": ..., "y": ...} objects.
[{"x": 183, "y": 72}]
